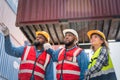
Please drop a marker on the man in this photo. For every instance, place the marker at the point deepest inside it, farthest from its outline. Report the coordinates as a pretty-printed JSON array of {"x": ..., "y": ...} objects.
[
  {"x": 35, "y": 64},
  {"x": 72, "y": 61}
]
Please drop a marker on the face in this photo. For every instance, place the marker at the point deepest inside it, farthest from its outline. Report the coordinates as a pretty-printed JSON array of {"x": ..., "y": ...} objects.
[
  {"x": 96, "y": 40},
  {"x": 40, "y": 40},
  {"x": 69, "y": 39}
]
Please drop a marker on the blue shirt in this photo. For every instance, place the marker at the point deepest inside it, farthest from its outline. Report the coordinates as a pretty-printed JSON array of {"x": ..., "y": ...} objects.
[
  {"x": 18, "y": 51},
  {"x": 82, "y": 59}
]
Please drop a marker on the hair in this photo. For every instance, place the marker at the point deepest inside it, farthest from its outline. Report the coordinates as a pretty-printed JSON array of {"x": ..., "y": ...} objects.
[{"x": 104, "y": 44}]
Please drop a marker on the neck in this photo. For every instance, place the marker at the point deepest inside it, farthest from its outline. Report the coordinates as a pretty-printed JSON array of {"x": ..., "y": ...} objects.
[
  {"x": 68, "y": 47},
  {"x": 39, "y": 47},
  {"x": 96, "y": 47}
]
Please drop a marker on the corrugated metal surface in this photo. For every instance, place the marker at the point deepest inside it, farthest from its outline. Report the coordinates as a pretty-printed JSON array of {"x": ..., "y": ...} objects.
[
  {"x": 110, "y": 27},
  {"x": 40, "y": 11},
  {"x": 7, "y": 63},
  {"x": 81, "y": 15}
]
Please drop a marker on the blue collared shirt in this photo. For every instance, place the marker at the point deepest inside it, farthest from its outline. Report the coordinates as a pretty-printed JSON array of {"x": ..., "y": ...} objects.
[{"x": 18, "y": 51}]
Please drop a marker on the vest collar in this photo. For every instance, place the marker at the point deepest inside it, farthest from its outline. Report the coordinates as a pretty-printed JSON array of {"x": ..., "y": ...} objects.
[{"x": 71, "y": 48}]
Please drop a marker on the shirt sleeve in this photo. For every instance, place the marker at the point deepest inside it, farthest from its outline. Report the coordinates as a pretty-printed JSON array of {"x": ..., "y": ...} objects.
[
  {"x": 101, "y": 60},
  {"x": 54, "y": 54},
  {"x": 83, "y": 62},
  {"x": 11, "y": 50},
  {"x": 49, "y": 74}
]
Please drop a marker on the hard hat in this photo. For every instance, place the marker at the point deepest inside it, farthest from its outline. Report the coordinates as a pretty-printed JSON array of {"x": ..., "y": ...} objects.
[
  {"x": 45, "y": 34},
  {"x": 89, "y": 33},
  {"x": 71, "y": 31}
]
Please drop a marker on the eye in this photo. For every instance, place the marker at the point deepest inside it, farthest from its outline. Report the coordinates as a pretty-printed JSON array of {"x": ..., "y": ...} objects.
[{"x": 96, "y": 36}]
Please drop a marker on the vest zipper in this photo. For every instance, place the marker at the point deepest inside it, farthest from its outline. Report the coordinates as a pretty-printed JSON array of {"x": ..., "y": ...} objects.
[
  {"x": 62, "y": 66},
  {"x": 33, "y": 70}
]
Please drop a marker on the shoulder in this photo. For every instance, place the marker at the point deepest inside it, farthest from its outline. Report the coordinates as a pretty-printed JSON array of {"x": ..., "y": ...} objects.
[{"x": 104, "y": 49}]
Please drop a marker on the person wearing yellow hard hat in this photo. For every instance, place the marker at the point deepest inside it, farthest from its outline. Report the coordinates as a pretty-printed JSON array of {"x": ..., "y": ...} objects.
[
  {"x": 100, "y": 66},
  {"x": 45, "y": 34},
  {"x": 35, "y": 64}
]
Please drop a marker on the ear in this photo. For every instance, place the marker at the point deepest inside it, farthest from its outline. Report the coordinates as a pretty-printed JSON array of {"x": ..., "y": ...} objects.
[
  {"x": 101, "y": 41},
  {"x": 75, "y": 40}
]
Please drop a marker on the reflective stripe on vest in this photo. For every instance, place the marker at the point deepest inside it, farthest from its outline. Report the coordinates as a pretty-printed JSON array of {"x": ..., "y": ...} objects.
[
  {"x": 26, "y": 52},
  {"x": 67, "y": 62},
  {"x": 102, "y": 72},
  {"x": 32, "y": 62},
  {"x": 61, "y": 52},
  {"x": 71, "y": 69},
  {"x": 105, "y": 69},
  {"x": 28, "y": 62},
  {"x": 47, "y": 60},
  {"x": 30, "y": 71},
  {"x": 69, "y": 72}
]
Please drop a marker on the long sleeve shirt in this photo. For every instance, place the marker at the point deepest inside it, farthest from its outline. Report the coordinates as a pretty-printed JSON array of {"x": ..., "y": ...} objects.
[
  {"x": 101, "y": 61},
  {"x": 18, "y": 51},
  {"x": 82, "y": 59}
]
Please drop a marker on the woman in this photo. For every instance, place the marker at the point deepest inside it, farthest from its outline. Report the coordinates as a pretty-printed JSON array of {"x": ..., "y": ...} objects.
[{"x": 100, "y": 66}]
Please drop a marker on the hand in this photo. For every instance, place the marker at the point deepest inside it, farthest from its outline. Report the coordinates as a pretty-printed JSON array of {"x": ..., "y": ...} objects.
[
  {"x": 47, "y": 46},
  {"x": 4, "y": 30}
]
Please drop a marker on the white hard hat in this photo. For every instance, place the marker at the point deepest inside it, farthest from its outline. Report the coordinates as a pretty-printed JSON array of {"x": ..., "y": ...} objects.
[{"x": 71, "y": 31}]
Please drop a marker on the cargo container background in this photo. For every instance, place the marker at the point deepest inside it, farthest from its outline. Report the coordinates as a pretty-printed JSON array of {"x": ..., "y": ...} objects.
[{"x": 9, "y": 65}]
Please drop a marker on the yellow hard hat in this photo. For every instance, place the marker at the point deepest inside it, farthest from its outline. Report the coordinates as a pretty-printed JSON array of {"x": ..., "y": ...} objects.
[
  {"x": 45, "y": 34},
  {"x": 89, "y": 33}
]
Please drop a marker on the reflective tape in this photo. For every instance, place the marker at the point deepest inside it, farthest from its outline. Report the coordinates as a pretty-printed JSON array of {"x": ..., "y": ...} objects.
[
  {"x": 102, "y": 72},
  {"x": 26, "y": 52},
  {"x": 61, "y": 52},
  {"x": 30, "y": 71},
  {"x": 47, "y": 60},
  {"x": 69, "y": 72},
  {"x": 32, "y": 62},
  {"x": 68, "y": 62}
]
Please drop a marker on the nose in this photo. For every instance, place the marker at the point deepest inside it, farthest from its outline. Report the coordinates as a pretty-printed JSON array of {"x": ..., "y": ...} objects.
[
  {"x": 66, "y": 37},
  {"x": 37, "y": 38}
]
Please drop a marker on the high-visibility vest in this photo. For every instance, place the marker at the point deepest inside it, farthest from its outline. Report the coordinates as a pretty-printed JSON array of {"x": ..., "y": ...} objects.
[
  {"x": 105, "y": 69},
  {"x": 70, "y": 68},
  {"x": 30, "y": 63}
]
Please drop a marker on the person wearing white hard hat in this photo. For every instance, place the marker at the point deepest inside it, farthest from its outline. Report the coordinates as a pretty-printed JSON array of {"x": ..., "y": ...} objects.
[
  {"x": 100, "y": 66},
  {"x": 35, "y": 64},
  {"x": 72, "y": 61}
]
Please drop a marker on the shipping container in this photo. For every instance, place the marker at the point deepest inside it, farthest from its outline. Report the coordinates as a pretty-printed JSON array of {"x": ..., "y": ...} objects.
[
  {"x": 53, "y": 16},
  {"x": 9, "y": 65},
  {"x": 42, "y": 11}
]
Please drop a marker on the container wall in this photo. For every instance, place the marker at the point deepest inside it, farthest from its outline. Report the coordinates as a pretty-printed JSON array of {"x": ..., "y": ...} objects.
[{"x": 39, "y": 11}]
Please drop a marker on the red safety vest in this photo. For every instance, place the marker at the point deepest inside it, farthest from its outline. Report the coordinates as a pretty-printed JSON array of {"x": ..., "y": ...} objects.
[
  {"x": 70, "y": 67},
  {"x": 27, "y": 65}
]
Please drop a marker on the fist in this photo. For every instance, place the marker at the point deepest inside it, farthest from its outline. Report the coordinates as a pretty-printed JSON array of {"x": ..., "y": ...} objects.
[
  {"x": 4, "y": 30},
  {"x": 47, "y": 46}
]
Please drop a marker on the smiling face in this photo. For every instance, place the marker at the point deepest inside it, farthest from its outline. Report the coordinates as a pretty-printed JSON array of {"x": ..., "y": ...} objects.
[
  {"x": 96, "y": 40},
  {"x": 69, "y": 39}
]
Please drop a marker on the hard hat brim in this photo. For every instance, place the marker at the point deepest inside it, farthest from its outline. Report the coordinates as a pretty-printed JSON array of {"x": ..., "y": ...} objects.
[
  {"x": 89, "y": 33},
  {"x": 44, "y": 34},
  {"x": 71, "y": 31}
]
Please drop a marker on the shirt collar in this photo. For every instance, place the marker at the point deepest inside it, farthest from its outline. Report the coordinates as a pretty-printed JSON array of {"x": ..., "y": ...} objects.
[
  {"x": 39, "y": 50},
  {"x": 72, "y": 48}
]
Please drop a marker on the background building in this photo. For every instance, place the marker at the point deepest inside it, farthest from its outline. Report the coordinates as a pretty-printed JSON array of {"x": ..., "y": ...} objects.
[{"x": 9, "y": 65}]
